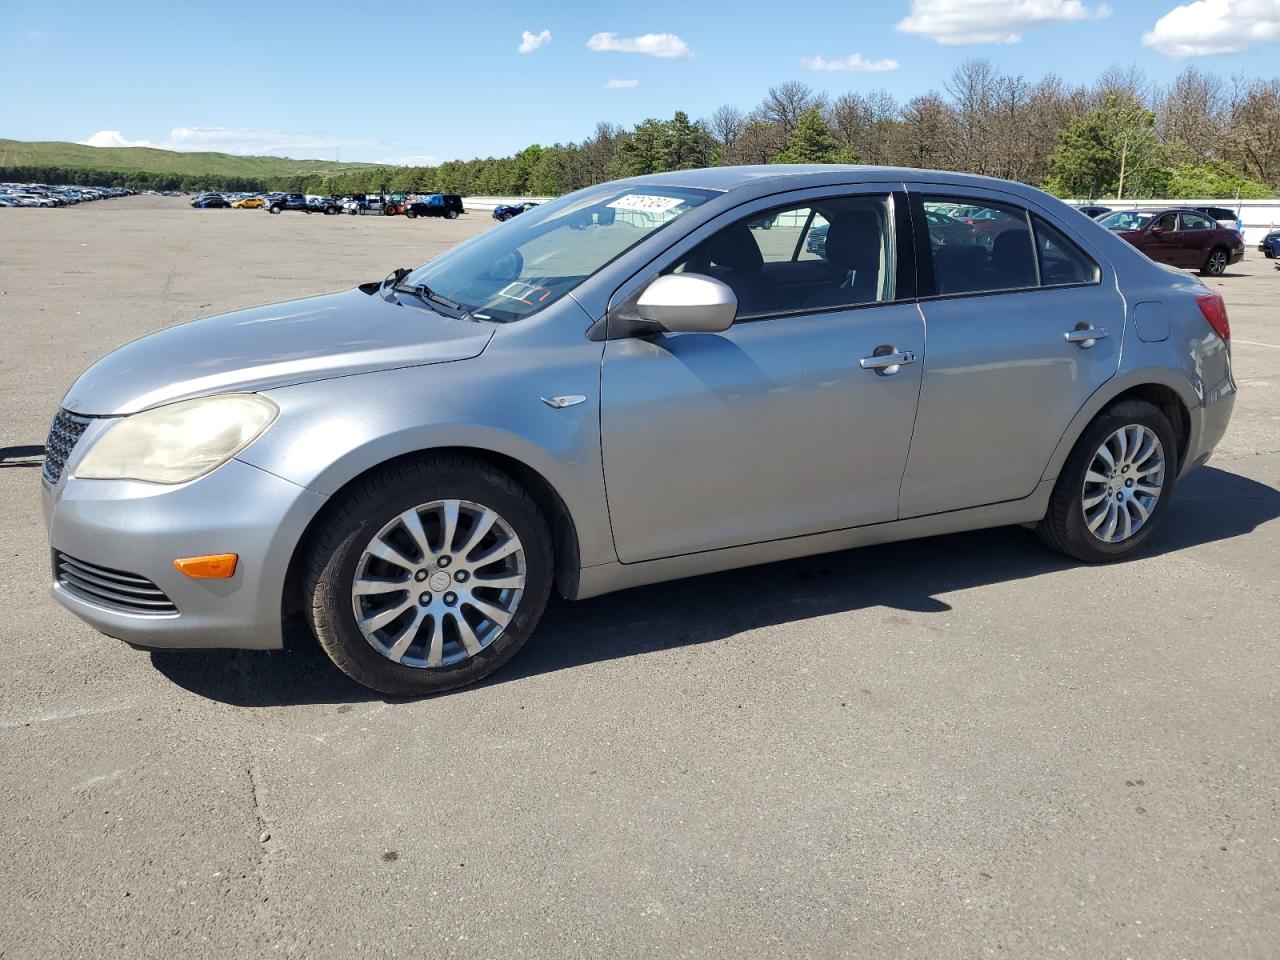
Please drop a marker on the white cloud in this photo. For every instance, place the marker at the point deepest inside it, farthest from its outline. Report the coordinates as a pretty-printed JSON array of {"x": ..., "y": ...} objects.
[
  {"x": 530, "y": 41},
  {"x": 113, "y": 138},
  {"x": 621, "y": 84},
  {"x": 855, "y": 63},
  {"x": 954, "y": 22},
  {"x": 1215, "y": 26},
  {"x": 665, "y": 45},
  {"x": 243, "y": 141}
]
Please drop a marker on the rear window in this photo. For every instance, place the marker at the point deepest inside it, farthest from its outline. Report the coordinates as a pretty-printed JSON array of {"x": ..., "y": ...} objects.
[
  {"x": 1062, "y": 263},
  {"x": 994, "y": 247},
  {"x": 979, "y": 247}
]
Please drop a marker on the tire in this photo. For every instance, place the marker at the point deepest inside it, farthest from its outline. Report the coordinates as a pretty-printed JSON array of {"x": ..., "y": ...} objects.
[
  {"x": 409, "y": 214},
  {"x": 1215, "y": 265},
  {"x": 388, "y": 211},
  {"x": 337, "y": 552},
  {"x": 1065, "y": 526},
  {"x": 273, "y": 209},
  {"x": 451, "y": 214}
]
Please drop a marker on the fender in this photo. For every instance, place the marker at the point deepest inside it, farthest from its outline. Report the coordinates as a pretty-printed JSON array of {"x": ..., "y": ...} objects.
[
  {"x": 339, "y": 430},
  {"x": 1105, "y": 394}
]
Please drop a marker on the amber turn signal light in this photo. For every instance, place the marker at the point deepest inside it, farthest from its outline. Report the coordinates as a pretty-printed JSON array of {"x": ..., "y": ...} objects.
[{"x": 217, "y": 566}]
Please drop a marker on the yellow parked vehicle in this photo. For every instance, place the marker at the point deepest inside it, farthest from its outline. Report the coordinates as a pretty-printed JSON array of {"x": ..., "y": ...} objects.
[{"x": 248, "y": 203}]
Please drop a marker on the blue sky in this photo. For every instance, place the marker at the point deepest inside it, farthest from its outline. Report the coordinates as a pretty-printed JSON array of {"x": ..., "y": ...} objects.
[{"x": 419, "y": 83}]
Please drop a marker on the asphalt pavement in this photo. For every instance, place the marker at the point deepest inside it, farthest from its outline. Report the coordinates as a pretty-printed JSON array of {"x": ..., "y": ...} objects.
[{"x": 958, "y": 747}]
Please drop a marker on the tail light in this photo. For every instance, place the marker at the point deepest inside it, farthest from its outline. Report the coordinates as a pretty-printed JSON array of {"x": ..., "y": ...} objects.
[{"x": 1214, "y": 309}]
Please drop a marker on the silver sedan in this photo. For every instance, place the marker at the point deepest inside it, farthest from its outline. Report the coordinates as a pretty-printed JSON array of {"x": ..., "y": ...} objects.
[{"x": 644, "y": 380}]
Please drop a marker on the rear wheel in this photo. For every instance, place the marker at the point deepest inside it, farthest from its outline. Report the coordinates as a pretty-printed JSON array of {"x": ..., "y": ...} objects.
[
  {"x": 1216, "y": 263},
  {"x": 429, "y": 575},
  {"x": 388, "y": 211},
  {"x": 1114, "y": 486},
  {"x": 410, "y": 214}
]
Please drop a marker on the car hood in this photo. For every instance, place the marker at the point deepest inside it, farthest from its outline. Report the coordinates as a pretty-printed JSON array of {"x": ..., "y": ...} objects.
[{"x": 273, "y": 346}]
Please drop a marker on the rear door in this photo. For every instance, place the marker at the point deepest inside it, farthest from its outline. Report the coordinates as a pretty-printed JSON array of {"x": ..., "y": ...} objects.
[{"x": 1023, "y": 324}]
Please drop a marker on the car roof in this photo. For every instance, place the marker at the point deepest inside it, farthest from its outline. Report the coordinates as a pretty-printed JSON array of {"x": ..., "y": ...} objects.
[{"x": 765, "y": 178}]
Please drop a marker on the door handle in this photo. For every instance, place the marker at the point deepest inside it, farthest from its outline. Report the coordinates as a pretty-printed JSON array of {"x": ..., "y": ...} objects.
[
  {"x": 887, "y": 363},
  {"x": 1085, "y": 336}
]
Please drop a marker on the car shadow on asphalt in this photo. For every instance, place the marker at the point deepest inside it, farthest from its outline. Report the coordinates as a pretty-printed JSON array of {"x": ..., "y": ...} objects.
[
  {"x": 25, "y": 455},
  {"x": 1211, "y": 505}
]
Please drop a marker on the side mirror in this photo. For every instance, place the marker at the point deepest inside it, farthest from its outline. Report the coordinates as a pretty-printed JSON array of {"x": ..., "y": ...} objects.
[{"x": 688, "y": 303}]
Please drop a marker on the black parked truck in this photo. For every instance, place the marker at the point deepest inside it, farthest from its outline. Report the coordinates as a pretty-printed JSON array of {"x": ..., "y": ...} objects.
[{"x": 298, "y": 201}]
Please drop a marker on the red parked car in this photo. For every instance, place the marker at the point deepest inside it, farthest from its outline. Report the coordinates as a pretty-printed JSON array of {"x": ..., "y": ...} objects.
[{"x": 1180, "y": 238}]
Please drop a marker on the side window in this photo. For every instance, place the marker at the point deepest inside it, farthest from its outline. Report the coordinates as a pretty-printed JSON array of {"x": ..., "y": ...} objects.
[
  {"x": 1194, "y": 221},
  {"x": 979, "y": 246},
  {"x": 1061, "y": 261},
  {"x": 1168, "y": 223},
  {"x": 819, "y": 255},
  {"x": 777, "y": 233}
]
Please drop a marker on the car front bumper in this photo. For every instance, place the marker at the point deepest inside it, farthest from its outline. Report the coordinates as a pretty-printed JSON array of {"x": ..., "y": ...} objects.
[{"x": 141, "y": 528}]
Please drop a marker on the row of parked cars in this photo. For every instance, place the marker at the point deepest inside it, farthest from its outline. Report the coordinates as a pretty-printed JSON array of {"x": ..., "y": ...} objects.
[
  {"x": 446, "y": 205},
  {"x": 44, "y": 195}
]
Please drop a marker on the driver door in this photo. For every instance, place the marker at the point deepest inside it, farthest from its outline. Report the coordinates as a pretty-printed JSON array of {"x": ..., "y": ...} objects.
[
  {"x": 1164, "y": 242},
  {"x": 783, "y": 424}
]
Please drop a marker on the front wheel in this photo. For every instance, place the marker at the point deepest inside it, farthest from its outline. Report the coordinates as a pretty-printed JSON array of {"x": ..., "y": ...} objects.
[
  {"x": 1216, "y": 264},
  {"x": 429, "y": 575},
  {"x": 451, "y": 214},
  {"x": 273, "y": 209},
  {"x": 409, "y": 214},
  {"x": 1114, "y": 486}
]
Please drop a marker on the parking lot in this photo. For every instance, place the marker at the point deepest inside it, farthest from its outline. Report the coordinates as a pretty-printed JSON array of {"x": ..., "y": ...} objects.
[{"x": 958, "y": 747}]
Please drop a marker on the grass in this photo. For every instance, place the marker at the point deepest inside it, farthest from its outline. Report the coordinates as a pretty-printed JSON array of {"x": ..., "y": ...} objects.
[{"x": 21, "y": 153}]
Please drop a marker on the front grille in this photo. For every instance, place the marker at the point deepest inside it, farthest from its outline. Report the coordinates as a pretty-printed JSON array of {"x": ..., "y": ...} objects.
[
  {"x": 64, "y": 434},
  {"x": 114, "y": 589}
]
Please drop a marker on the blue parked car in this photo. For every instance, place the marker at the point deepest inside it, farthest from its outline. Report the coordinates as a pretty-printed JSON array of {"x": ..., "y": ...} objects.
[
  {"x": 211, "y": 201},
  {"x": 1270, "y": 245},
  {"x": 505, "y": 211}
]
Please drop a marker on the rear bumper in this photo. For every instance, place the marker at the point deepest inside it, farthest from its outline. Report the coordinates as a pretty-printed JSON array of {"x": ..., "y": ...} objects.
[
  {"x": 140, "y": 528},
  {"x": 1210, "y": 421}
]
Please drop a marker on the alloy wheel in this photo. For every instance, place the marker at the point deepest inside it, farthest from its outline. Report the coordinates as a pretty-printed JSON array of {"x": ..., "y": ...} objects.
[
  {"x": 1217, "y": 263},
  {"x": 439, "y": 583},
  {"x": 1123, "y": 483}
]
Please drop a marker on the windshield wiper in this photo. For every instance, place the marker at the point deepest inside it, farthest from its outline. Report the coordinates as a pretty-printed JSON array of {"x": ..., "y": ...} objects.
[
  {"x": 423, "y": 292},
  {"x": 426, "y": 293}
]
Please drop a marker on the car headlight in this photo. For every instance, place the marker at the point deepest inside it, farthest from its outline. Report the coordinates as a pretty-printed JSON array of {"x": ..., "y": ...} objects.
[{"x": 178, "y": 442}]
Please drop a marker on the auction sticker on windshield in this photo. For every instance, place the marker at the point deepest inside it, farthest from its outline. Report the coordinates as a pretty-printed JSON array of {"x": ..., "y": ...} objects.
[{"x": 646, "y": 203}]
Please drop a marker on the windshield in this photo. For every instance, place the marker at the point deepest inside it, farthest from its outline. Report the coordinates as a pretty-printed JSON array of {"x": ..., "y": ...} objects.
[
  {"x": 1123, "y": 220},
  {"x": 526, "y": 264}
]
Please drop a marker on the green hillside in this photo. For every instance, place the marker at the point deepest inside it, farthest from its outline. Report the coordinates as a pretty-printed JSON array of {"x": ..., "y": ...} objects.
[{"x": 77, "y": 156}]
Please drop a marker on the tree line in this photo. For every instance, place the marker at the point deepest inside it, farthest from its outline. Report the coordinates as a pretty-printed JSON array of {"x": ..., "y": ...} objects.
[{"x": 1120, "y": 137}]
